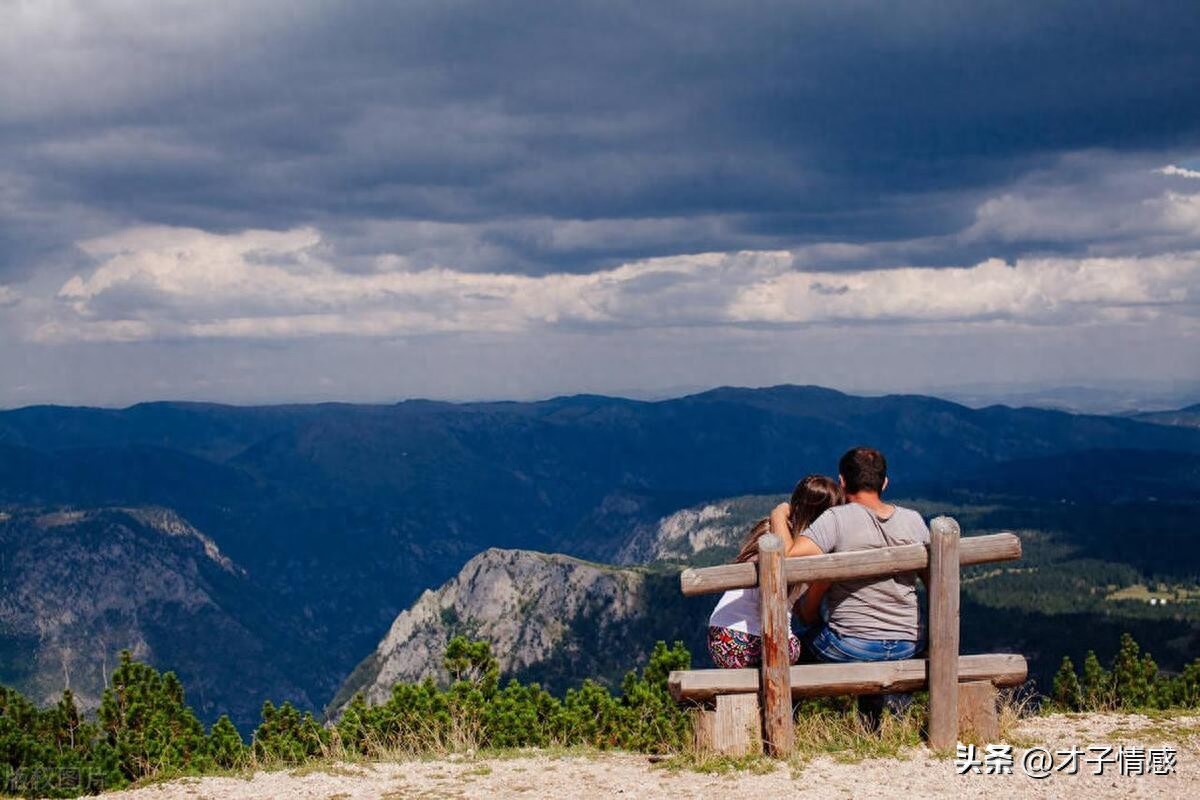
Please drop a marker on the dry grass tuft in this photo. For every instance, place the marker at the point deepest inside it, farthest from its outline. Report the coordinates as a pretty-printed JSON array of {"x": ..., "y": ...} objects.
[
  {"x": 844, "y": 736},
  {"x": 1015, "y": 706}
]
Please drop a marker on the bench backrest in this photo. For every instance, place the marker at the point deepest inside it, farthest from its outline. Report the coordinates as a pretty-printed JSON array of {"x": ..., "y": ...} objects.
[{"x": 773, "y": 573}]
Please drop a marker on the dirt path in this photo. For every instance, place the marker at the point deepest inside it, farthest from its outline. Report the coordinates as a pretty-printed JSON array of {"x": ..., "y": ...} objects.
[{"x": 622, "y": 775}]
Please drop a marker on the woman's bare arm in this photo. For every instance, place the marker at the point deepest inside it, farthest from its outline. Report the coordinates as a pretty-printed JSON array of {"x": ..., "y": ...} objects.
[
  {"x": 803, "y": 546},
  {"x": 780, "y": 526},
  {"x": 796, "y": 545}
]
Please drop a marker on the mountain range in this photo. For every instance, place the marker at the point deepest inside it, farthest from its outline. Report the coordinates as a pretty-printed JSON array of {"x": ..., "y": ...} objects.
[{"x": 302, "y": 532}]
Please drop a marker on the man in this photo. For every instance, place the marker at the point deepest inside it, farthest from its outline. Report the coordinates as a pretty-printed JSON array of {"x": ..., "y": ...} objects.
[{"x": 871, "y": 619}]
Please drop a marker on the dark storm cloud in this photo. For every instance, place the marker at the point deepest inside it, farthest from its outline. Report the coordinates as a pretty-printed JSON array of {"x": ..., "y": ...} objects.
[{"x": 697, "y": 126}]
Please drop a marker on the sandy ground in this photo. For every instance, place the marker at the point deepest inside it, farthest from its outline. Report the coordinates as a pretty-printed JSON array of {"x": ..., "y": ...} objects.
[{"x": 622, "y": 775}]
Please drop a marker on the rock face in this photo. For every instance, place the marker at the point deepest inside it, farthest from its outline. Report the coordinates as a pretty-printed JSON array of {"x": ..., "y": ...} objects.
[
  {"x": 77, "y": 586},
  {"x": 534, "y": 608},
  {"x": 717, "y": 526}
]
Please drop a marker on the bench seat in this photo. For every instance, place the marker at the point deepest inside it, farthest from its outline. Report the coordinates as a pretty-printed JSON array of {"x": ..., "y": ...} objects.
[{"x": 826, "y": 680}]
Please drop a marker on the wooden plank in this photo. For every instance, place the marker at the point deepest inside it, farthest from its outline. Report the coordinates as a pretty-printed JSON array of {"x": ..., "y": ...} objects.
[
  {"x": 732, "y": 728},
  {"x": 988, "y": 549},
  {"x": 858, "y": 564},
  {"x": 860, "y": 677},
  {"x": 943, "y": 633},
  {"x": 778, "y": 730},
  {"x": 706, "y": 580},
  {"x": 880, "y": 562},
  {"x": 978, "y": 718}
]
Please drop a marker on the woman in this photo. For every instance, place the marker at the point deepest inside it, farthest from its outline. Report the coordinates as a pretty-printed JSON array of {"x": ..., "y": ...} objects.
[{"x": 735, "y": 629}]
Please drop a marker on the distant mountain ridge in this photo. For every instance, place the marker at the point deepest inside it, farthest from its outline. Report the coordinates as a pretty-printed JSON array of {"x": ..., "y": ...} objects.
[
  {"x": 1188, "y": 417},
  {"x": 342, "y": 515}
]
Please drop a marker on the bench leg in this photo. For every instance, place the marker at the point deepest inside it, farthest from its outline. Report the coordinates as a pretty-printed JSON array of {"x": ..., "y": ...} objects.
[
  {"x": 731, "y": 728},
  {"x": 978, "y": 719}
]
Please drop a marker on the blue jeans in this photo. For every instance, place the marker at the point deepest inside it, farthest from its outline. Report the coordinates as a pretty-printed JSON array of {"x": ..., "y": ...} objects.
[
  {"x": 821, "y": 643},
  {"x": 825, "y": 645}
]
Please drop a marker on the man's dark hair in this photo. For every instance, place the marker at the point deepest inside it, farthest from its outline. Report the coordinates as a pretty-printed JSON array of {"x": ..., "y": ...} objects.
[{"x": 863, "y": 469}]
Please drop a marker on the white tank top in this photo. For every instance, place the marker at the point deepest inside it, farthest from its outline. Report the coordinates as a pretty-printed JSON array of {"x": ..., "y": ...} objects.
[{"x": 738, "y": 610}]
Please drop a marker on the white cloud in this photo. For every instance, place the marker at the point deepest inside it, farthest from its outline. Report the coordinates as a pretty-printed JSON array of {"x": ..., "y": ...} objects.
[
  {"x": 1179, "y": 172},
  {"x": 156, "y": 283},
  {"x": 8, "y": 296},
  {"x": 1106, "y": 204},
  {"x": 1036, "y": 290}
]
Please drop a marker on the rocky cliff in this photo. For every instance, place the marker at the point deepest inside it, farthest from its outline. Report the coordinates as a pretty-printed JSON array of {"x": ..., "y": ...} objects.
[
  {"x": 77, "y": 586},
  {"x": 717, "y": 528},
  {"x": 550, "y": 618}
]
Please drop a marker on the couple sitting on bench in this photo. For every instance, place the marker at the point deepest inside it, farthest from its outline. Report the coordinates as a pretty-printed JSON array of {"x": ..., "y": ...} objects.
[{"x": 870, "y": 619}]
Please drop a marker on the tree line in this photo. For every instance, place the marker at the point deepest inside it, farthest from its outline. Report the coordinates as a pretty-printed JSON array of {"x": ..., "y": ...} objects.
[{"x": 144, "y": 728}]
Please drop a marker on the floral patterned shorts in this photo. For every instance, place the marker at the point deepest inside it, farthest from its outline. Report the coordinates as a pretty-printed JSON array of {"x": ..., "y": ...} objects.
[{"x": 732, "y": 649}]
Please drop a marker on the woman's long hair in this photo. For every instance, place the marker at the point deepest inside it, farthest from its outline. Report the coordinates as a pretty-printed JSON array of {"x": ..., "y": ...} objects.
[{"x": 810, "y": 499}]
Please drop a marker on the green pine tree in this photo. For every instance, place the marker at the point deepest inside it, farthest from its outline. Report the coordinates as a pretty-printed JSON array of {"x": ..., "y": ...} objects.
[
  {"x": 1067, "y": 693},
  {"x": 1133, "y": 678},
  {"x": 146, "y": 721},
  {"x": 285, "y": 735},
  {"x": 472, "y": 662},
  {"x": 225, "y": 745},
  {"x": 353, "y": 729},
  {"x": 1097, "y": 684}
]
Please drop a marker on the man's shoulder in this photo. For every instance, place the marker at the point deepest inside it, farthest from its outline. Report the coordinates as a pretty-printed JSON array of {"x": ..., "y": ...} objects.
[
  {"x": 910, "y": 513},
  {"x": 911, "y": 520},
  {"x": 846, "y": 511},
  {"x": 848, "y": 519}
]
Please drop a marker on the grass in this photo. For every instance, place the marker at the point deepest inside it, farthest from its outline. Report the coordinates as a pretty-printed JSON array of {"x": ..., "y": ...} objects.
[
  {"x": 714, "y": 764},
  {"x": 843, "y": 736},
  {"x": 1160, "y": 726},
  {"x": 837, "y": 733},
  {"x": 480, "y": 769},
  {"x": 1140, "y": 591},
  {"x": 993, "y": 573},
  {"x": 1016, "y": 705}
]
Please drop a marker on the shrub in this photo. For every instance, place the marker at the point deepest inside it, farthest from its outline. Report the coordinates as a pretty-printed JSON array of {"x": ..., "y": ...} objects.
[
  {"x": 1067, "y": 694},
  {"x": 225, "y": 745},
  {"x": 1133, "y": 684},
  {"x": 285, "y": 735},
  {"x": 1097, "y": 684},
  {"x": 474, "y": 712},
  {"x": 52, "y": 752},
  {"x": 1133, "y": 676},
  {"x": 145, "y": 720}
]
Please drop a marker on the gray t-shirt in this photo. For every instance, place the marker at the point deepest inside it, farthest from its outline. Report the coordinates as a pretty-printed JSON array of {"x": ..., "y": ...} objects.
[{"x": 870, "y": 608}]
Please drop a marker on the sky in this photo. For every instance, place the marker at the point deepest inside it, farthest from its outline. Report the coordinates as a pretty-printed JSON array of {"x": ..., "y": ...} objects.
[{"x": 301, "y": 201}]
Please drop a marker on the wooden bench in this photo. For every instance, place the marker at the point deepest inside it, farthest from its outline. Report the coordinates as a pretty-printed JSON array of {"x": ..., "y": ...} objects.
[{"x": 746, "y": 710}]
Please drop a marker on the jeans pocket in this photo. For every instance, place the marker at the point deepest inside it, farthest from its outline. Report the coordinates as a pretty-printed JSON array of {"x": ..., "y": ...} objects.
[{"x": 859, "y": 649}]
